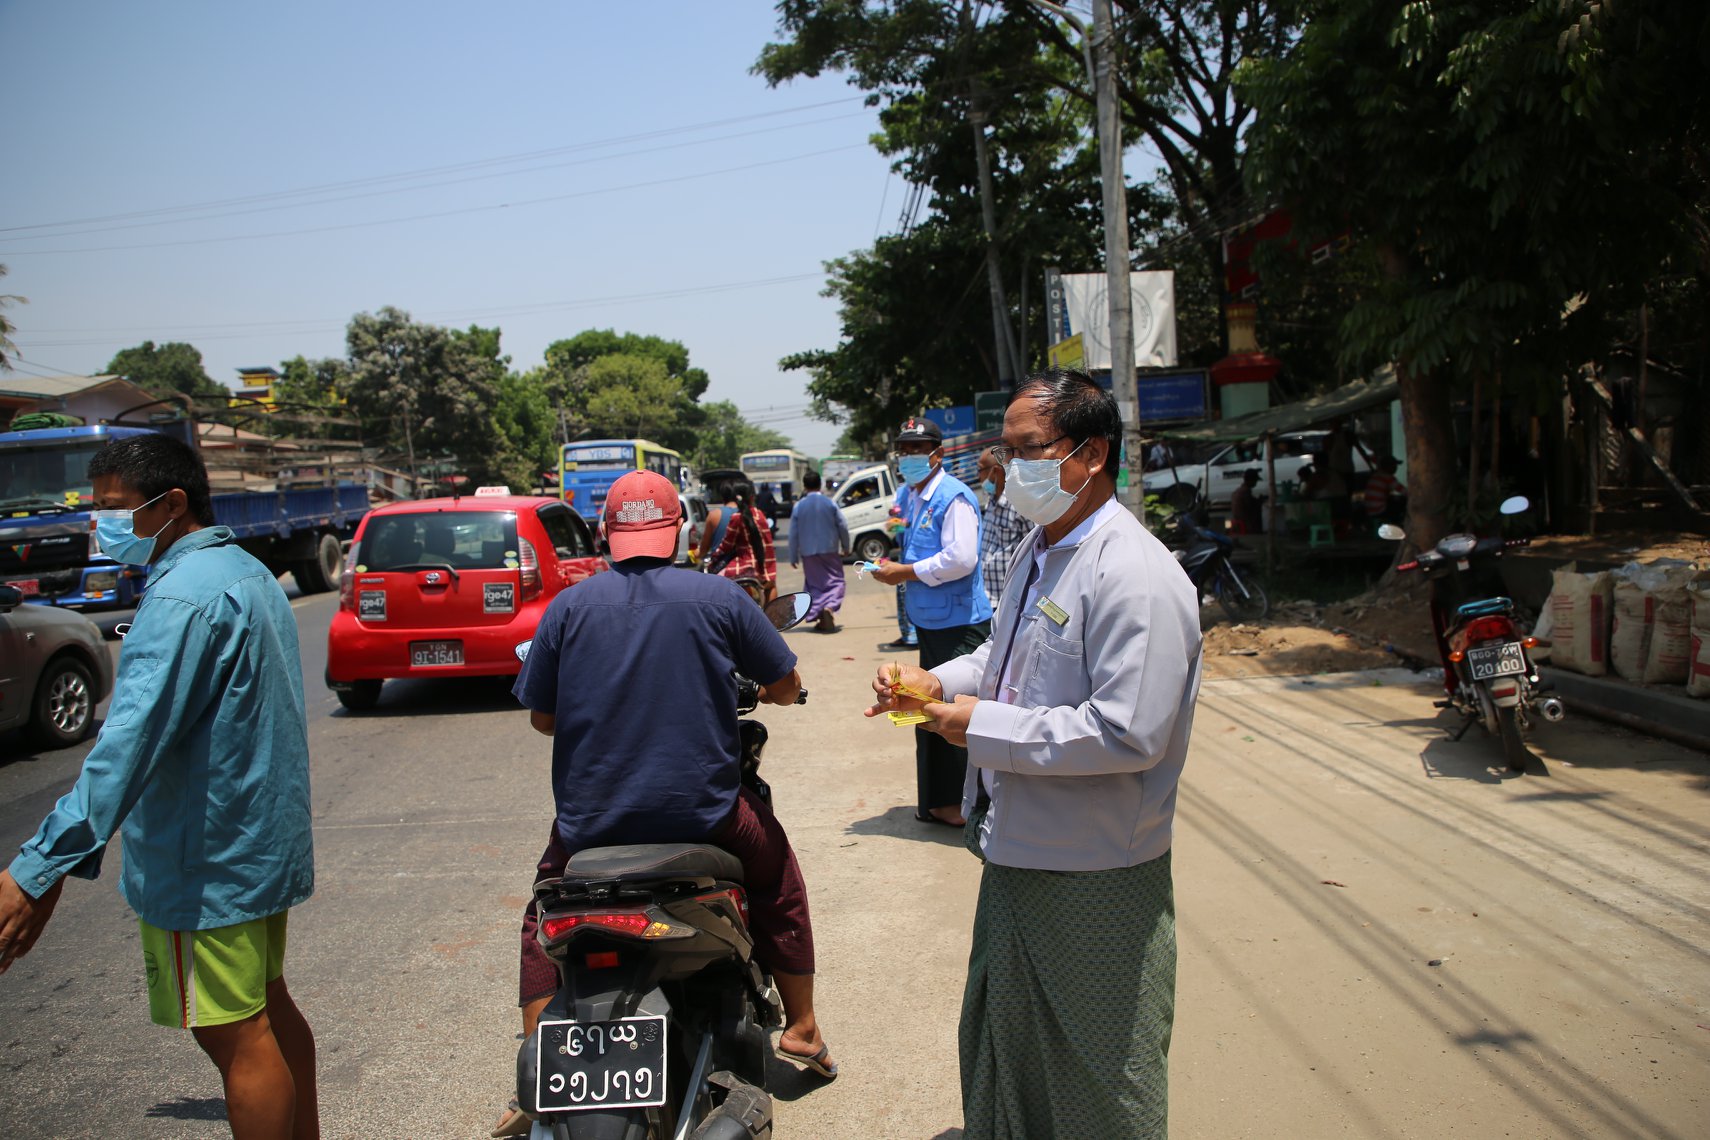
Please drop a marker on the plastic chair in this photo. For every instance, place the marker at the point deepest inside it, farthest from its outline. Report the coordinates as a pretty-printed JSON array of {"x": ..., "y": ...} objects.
[{"x": 1322, "y": 534}]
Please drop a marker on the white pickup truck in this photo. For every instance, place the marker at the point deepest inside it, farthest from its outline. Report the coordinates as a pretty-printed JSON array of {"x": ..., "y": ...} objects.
[
  {"x": 1217, "y": 478},
  {"x": 865, "y": 497}
]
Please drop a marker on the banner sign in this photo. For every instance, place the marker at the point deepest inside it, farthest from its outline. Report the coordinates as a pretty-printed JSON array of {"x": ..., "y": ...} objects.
[
  {"x": 1086, "y": 298},
  {"x": 1176, "y": 396}
]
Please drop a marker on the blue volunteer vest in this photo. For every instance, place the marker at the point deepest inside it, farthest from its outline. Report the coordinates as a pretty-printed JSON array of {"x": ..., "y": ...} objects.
[{"x": 962, "y": 602}]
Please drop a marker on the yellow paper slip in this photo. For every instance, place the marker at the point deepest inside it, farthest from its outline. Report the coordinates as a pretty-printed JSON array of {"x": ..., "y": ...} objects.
[{"x": 902, "y": 719}]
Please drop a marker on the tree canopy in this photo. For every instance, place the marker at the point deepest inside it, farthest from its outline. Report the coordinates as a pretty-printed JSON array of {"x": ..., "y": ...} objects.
[{"x": 166, "y": 369}]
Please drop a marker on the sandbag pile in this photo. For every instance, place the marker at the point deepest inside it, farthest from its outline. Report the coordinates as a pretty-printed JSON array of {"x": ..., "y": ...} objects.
[{"x": 1646, "y": 622}]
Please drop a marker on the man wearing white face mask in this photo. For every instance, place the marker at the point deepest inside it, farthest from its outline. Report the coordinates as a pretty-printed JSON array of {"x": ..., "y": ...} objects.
[
  {"x": 204, "y": 761},
  {"x": 1076, "y": 714},
  {"x": 945, "y": 599}
]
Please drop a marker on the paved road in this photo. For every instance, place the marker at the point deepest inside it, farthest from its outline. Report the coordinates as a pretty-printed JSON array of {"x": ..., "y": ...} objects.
[{"x": 1381, "y": 935}]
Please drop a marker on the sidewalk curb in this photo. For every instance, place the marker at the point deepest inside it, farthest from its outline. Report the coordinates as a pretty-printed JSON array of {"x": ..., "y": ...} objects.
[{"x": 1671, "y": 716}]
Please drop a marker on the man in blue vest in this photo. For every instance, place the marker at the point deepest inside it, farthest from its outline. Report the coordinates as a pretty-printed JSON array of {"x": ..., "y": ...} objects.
[{"x": 946, "y": 598}]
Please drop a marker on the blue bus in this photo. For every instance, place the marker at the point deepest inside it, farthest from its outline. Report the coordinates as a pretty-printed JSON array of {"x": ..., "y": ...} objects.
[{"x": 588, "y": 468}]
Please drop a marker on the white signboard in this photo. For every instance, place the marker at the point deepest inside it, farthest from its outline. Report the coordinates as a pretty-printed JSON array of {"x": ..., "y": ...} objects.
[{"x": 1086, "y": 296}]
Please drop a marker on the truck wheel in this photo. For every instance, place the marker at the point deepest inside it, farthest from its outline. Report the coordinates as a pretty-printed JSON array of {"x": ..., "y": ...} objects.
[
  {"x": 360, "y": 696},
  {"x": 320, "y": 573},
  {"x": 64, "y": 705},
  {"x": 872, "y": 547}
]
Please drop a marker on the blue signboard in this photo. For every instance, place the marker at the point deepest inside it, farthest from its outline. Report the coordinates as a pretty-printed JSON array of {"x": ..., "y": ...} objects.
[
  {"x": 1176, "y": 396},
  {"x": 952, "y": 421}
]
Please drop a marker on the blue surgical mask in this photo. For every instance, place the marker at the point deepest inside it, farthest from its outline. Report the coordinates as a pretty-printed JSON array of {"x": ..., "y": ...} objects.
[
  {"x": 914, "y": 468},
  {"x": 989, "y": 488},
  {"x": 1035, "y": 488},
  {"x": 116, "y": 533}
]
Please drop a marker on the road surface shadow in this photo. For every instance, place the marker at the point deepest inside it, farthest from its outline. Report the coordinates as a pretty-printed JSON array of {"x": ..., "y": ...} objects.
[
  {"x": 191, "y": 1108},
  {"x": 436, "y": 696},
  {"x": 790, "y": 1082},
  {"x": 899, "y": 823},
  {"x": 16, "y": 746}
]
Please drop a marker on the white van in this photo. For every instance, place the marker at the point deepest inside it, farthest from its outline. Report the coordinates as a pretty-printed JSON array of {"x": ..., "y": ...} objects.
[
  {"x": 866, "y": 498},
  {"x": 1217, "y": 479}
]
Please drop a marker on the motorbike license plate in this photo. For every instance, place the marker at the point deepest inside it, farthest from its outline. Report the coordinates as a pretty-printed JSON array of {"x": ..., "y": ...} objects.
[
  {"x": 601, "y": 1064},
  {"x": 1489, "y": 661},
  {"x": 436, "y": 653}
]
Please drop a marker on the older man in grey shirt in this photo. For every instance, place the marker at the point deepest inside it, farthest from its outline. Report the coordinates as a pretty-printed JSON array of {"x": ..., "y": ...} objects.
[{"x": 1076, "y": 715}]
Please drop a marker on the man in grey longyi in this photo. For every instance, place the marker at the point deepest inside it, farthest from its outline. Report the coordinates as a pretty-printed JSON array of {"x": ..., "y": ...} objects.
[{"x": 1076, "y": 714}]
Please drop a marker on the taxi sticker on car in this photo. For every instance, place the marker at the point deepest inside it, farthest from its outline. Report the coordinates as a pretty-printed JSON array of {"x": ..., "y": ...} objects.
[
  {"x": 371, "y": 605},
  {"x": 499, "y": 598}
]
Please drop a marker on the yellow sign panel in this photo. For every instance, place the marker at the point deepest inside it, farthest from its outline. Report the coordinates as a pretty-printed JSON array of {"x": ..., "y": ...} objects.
[{"x": 1067, "y": 353}]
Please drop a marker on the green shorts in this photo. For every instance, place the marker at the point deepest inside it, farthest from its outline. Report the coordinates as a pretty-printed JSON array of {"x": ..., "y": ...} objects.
[{"x": 212, "y": 977}]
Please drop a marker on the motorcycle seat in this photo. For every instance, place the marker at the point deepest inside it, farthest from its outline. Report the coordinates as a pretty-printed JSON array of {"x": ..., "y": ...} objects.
[
  {"x": 1486, "y": 606},
  {"x": 651, "y": 862}
]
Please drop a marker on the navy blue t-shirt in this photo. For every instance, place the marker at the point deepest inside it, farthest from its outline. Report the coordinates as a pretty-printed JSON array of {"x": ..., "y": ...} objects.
[{"x": 636, "y": 665}]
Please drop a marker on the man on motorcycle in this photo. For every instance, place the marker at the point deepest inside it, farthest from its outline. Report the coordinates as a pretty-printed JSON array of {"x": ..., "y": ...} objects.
[{"x": 631, "y": 764}]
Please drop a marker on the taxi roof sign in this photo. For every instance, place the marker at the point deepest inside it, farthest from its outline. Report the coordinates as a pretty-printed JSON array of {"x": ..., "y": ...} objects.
[{"x": 496, "y": 491}]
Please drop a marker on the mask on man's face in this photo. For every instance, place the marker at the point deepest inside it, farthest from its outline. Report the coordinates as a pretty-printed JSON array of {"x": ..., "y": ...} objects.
[
  {"x": 115, "y": 531},
  {"x": 1036, "y": 490},
  {"x": 914, "y": 468}
]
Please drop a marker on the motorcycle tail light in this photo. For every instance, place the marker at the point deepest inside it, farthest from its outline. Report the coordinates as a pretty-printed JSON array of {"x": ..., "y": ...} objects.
[
  {"x": 1457, "y": 656},
  {"x": 1529, "y": 642},
  {"x": 1489, "y": 629},
  {"x": 530, "y": 569},
  {"x": 604, "y": 960},
  {"x": 631, "y": 923}
]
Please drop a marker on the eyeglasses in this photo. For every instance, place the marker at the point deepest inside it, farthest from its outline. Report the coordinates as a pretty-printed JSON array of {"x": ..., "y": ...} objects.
[{"x": 1004, "y": 454}]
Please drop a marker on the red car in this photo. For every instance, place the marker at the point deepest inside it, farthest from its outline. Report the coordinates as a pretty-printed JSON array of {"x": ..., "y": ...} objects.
[{"x": 450, "y": 587}]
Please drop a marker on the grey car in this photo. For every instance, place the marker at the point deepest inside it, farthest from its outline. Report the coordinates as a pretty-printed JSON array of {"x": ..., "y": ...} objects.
[{"x": 54, "y": 671}]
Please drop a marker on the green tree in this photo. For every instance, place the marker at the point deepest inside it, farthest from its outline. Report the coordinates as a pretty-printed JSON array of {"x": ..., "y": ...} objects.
[
  {"x": 307, "y": 394},
  {"x": 724, "y": 435},
  {"x": 569, "y": 382},
  {"x": 166, "y": 369},
  {"x": 632, "y": 397},
  {"x": 1516, "y": 170},
  {"x": 427, "y": 392},
  {"x": 8, "y": 350},
  {"x": 528, "y": 427}
]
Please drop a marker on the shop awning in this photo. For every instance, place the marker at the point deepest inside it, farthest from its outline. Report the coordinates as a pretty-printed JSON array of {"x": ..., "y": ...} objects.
[{"x": 1380, "y": 388}]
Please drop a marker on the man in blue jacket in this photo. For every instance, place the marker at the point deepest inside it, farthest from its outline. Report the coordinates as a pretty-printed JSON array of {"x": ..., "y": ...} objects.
[
  {"x": 204, "y": 762},
  {"x": 946, "y": 597},
  {"x": 819, "y": 537}
]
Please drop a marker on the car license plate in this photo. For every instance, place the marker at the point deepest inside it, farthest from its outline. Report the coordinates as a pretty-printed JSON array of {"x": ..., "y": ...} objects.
[
  {"x": 436, "y": 653},
  {"x": 601, "y": 1064},
  {"x": 1489, "y": 661},
  {"x": 29, "y": 587}
]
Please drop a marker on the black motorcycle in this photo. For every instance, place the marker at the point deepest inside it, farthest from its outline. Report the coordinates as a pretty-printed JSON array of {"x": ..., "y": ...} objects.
[
  {"x": 1205, "y": 555},
  {"x": 660, "y": 1025}
]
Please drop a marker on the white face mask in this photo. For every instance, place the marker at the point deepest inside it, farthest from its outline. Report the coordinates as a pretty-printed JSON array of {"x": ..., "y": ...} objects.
[{"x": 1035, "y": 488}]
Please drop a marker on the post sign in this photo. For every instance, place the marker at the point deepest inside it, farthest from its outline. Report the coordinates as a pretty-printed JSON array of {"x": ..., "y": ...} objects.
[{"x": 952, "y": 421}]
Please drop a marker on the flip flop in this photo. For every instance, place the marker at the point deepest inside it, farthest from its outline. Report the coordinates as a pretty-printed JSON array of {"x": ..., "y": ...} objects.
[
  {"x": 515, "y": 1122},
  {"x": 928, "y": 817},
  {"x": 815, "y": 1062}
]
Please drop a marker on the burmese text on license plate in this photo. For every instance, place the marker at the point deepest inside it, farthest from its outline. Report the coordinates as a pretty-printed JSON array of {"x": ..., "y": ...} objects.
[
  {"x": 436, "y": 653},
  {"x": 601, "y": 1064},
  {"x": 1496, "y": 660}
]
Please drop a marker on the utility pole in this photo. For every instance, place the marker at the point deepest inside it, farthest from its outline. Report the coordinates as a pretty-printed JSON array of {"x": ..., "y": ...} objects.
[
  {"x": 1099, "y": 46},
  {"x": 1122, "y": 380},
  {"x": 1008, "y": 357}
]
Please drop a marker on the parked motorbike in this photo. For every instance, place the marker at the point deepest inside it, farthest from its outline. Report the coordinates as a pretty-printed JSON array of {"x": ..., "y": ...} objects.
[
  {"x": 1488, "y": 673},
  {"x": 1205, "y": 555},
  {"x": 660, "y": 1025}
]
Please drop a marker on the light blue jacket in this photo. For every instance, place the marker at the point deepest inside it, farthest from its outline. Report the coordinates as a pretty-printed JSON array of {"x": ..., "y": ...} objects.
[
  {"x": 816, "y": 527},
  {"x": 204, "y": 755},
  {"x": 1084, "y": 763}
]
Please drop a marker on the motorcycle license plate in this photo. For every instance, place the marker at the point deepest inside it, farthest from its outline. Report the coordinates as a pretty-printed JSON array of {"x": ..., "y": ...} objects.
[
  {"x": 436, "y": 653},
  {"x": 1489, "y": 661},
  {"x": 601, "y": 1064}
]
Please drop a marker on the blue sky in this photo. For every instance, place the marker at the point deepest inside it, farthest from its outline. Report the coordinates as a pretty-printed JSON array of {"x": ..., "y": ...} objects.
[{"x": 593, "y": 166}]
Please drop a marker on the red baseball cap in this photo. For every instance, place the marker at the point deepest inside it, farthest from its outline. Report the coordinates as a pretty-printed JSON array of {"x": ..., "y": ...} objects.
[{"x": 642, "y": 516}]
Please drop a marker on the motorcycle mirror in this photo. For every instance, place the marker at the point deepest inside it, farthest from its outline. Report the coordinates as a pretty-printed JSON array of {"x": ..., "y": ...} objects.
[
  {"x": 1391, "y": 532},
  {"x": 1515, "y": 505},
  {"x": 787, "y": 610},
  {"x": 522, "y": 649}
]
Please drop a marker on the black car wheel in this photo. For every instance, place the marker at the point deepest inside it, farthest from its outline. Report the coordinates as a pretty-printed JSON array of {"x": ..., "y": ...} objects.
[
  {"x": 872, "y": 547},
  {"x": 360, "y": 696},
  {"x": 64, "y": 706}
]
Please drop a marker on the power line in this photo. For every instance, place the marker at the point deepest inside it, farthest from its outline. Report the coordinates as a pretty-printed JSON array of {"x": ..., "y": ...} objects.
[
  {"x": 443, "y": 213},
  {"x": 277, "y": 206},
  {"x": 431, "y": 171}
]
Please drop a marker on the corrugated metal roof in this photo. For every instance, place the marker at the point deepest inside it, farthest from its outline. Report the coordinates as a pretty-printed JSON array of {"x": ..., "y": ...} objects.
[
  {"x": 1380, "y": 388},
  {"x": 50, "y": 387}
]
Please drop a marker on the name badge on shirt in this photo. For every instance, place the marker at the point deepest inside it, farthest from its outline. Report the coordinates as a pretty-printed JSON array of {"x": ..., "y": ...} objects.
[{"x": 1053, "y": 611}]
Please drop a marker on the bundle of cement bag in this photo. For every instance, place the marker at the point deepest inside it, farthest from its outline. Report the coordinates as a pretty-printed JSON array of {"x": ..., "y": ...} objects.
[{"x": 1637, "y": 622}]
